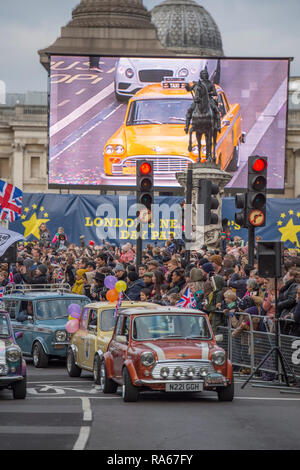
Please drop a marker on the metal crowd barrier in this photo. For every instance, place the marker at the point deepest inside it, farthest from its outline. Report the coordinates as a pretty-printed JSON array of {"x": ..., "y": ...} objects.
[{"x": 247, "y": 349}]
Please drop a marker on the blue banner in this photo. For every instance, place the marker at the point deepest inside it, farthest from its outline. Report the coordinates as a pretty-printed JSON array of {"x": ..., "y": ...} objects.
[{"x": 113, "y": 218}]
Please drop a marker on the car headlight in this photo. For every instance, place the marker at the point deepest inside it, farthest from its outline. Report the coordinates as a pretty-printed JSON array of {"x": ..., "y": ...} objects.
[
  {"x": 61, "y": 336},
  {"x": 164, "y": 372},
  {"x": 218, "y": 358},
  {"x": 109, "y": 149},
  {"x": 147, "y": 358},
  {"x": 119, "y": 149},
  {"x": 195, "y": 150},
  {"x": 13, "y": 355},
  {"x": 183, "y": 73},
  {"x": 129, "y": 73}
]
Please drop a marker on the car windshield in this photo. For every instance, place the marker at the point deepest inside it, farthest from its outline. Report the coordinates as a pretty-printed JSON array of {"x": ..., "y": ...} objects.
[
  {"x": 4, "y": 326},
  {"x": 164, "y": 111},
  {"x": 170, "y": 326},
  {"x": 57, "y": 308}
]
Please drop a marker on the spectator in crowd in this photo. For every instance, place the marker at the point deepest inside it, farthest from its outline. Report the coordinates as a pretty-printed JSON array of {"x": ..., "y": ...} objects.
[
  {"x": 45, "y": 238},
  {"x": 60, "y": 231},
  {"x": 134, "y": 286}
]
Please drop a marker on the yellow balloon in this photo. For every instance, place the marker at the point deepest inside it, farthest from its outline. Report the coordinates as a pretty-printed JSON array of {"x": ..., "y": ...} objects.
[{"x": 121, "y": 286}]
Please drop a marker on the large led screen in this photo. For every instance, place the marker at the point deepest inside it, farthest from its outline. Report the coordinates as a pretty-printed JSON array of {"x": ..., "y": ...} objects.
[{"x": 107, "y": 112}]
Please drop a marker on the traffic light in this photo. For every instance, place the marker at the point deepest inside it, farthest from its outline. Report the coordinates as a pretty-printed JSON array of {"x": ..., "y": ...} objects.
[
  {"x": 241, "y": 217},
  {"x": 257, "y": 191},
  {"x": 206, "y": 191},
  {"x": 145, "y": 187}
]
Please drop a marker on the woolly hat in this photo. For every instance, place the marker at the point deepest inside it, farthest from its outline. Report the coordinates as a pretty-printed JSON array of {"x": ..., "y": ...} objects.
[
  {"x": 208, "y": 268},
  {"x": 120, "y": 267},
  {"x": 196, "y": 275}
]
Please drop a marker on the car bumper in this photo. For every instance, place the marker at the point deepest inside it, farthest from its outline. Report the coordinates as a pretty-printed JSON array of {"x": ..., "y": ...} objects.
[
  {"x": 208, "y": 382},
  {"x": 8, "y": 380}
]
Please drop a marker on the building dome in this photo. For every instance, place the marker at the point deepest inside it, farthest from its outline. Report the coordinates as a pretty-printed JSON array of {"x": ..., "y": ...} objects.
[
  {"x": 186, "y": 27},
  {"x": 111, "y": 14}
]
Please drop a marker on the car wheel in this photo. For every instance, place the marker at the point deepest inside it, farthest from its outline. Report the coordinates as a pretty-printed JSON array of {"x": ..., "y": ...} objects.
[
  {"x": 226, "y": 393},
  {"x": 235, "y": 161},
  {"x": 19, "y": 389},
  {"x": 40, "y": 358},
  {"x": 72, "y": 368},
  {"x": 130, "y": 393},
  {"x": 107, "y": 385}
]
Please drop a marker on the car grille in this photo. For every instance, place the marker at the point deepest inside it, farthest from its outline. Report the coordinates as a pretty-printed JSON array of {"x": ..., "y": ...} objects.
[
  {"x": 163, "y": 165},
  {"x": 154, "y": 76},
  {"x": 184, "y": 365}
]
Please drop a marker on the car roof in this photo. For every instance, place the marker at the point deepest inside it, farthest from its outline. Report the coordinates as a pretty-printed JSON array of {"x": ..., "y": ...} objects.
[
  {"x": 34, "y": 295},
  {"x": 125, "y": 304},
  {"x": 162, "y": 310},
  {"x": 157, "y": 91}
]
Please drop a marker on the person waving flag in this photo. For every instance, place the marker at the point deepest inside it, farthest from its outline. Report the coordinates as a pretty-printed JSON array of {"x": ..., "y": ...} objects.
[{"x": 187, "y": 300}]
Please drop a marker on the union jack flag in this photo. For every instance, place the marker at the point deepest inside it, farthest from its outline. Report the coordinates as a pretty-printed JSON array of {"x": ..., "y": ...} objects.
[
  {"x": 1, "y": 293},
  {"x": 119, "y": 303},
  {"x": 60, "y": 275},
  {"x": 10, "y": 276},
  {"x": 187, "y": 300},
  {"x": 10, "y": 202}
]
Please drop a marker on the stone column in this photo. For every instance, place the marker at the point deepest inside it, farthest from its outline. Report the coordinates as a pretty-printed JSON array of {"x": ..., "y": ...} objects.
[
  {"x": 208, "y": 234},
  {"x": 17, "y": 169}
]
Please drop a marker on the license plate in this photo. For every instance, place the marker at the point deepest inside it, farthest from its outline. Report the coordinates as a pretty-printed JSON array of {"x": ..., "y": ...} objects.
[
  {"x": 129, "y": 171},
  {"x": 184, "y": 387}
]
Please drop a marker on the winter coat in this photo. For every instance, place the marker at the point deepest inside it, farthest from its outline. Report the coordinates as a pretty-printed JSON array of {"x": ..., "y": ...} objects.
[
  {"x": 287, "y": 297},
  {"x": 42, "y": 279},
  {"x": 214, "y": 298},
  {"x": 134, "y": 289},
  {"x": 239, "y": 284},
  {"x": 78, "y": 287}
]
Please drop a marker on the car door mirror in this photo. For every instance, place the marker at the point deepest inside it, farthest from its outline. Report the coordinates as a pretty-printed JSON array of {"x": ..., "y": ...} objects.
[
  {"x": 121, "y": 339},
  {"x": 92, "y": 329},
  {"x": 219, "y": 338}
]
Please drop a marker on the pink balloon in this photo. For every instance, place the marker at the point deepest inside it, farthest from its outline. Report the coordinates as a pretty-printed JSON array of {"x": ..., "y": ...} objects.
[{"x": 72, "y": 326}]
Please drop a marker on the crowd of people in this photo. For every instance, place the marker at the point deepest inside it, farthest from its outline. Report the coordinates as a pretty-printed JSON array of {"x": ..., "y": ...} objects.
[{"x": 220, "y": 281}]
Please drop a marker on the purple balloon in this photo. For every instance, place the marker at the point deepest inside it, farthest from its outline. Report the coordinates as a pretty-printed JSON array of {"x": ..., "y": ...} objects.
[
  {"x": 110, "y": 282},
  {"x": 73, "y": 309}
]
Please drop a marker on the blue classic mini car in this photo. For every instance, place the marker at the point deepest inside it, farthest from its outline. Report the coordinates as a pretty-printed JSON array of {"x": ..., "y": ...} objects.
[
  {"x": 41, "y": 314},
  {"x": 12, "y": 364}
]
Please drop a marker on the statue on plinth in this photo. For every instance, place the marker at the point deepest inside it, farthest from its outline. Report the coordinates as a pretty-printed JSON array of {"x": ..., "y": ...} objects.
[{"x": 203, "y": 115}]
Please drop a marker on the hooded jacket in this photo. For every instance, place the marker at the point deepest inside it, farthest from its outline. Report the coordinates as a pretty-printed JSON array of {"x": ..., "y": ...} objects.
[{"x": 134, "y": 289}]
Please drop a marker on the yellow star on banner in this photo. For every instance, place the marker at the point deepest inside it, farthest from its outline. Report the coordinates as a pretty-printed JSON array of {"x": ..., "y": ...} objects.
[
  {"x": 298, "y": 214},
  {"x": 282, "y": 215},
  {"x": 42, "y": 209},
  {"x": 279, "y": 222},
  {"x": 23, "y": 217},
  {"x": 32, "y": 226},
  {"x": 291, "y": 212},
  {"x": 289, "y": 233},
  {"x": 46, "y": 214},
  {"x": 26, "y": 209},
  {"x": 34, "y": 206}
]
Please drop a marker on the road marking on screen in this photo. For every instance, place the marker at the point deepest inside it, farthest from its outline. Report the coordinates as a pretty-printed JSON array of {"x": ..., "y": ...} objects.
[
  {"x": 80, "y": 91},
  {"x": 82, "y": 132},
  {"x": 63, "y": 103},
  {"x": 262, "y": 124},
  {"x": 111, "y": 70},
  {"x": 84, "y": 108}
]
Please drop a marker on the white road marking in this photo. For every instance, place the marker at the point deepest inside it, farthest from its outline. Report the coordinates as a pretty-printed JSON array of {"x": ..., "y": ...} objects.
[
  {"x": 87, "y": 412},
  {"x": 111, "y": 70},
  {"x": 82, "y": 438},
  {"x": 84, "y": 108}
]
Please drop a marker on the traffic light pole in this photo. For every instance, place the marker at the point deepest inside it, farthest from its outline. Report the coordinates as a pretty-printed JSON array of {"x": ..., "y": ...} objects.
[
  {"x": 251, "y": 245},
  {"x": 188, "y": 224},
  {"x": 139, "y": 248}
]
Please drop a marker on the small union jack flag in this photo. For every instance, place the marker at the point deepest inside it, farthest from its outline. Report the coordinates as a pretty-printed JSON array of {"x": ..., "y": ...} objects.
[
  {"x": 119, "y": 303},
  {"x": 10, "y": 202},
  {"x": 60, "y": 275},
  {"x": 187, "y": 300},
  {"x": 1, "y": 293},
  {"x": 10, "y": 276}
]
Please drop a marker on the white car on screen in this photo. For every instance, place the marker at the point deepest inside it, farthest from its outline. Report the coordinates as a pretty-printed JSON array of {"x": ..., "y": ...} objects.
[{"x": 133, "y": 74}]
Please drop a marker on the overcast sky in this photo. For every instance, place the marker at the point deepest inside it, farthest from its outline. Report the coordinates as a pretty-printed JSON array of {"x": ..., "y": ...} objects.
[{"x": 248, "y": 27}]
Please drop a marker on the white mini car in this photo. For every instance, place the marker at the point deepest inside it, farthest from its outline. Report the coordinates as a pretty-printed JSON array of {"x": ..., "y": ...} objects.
[{"x": 133, "y": 74}]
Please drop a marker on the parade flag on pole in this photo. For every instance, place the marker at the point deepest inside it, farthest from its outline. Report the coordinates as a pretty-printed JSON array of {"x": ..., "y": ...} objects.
[
  {"x": 187, "y": 300},
  {"x": 119, "y": 303},
  {"x": 10, "y": 202},
  {"x": 10, "y": 276},
  {"x": 60, "y": 276},
  {"x": 1, "y": 293}
]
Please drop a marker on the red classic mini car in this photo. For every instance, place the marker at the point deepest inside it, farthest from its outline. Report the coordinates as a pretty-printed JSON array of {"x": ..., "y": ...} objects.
[{"x": 171, "y": 349}]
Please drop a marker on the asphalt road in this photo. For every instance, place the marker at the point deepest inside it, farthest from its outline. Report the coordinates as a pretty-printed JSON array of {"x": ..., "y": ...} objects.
[{"x": 72, "y": 414}]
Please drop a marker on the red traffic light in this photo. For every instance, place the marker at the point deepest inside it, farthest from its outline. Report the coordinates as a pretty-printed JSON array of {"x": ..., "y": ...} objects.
[
  {"x": 259, "y": 164},
  {"x": 146, "y": 169}
]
